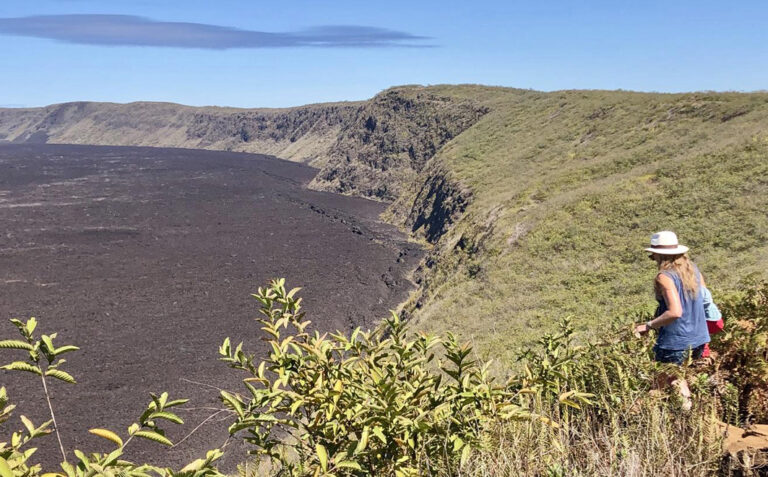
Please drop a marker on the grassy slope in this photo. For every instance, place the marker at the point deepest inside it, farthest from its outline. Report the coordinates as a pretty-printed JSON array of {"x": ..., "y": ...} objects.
[{"x": 568, "y": 187}]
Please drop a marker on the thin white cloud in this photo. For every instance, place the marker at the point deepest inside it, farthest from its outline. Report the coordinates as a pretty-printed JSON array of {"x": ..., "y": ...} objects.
[{"x": 129, "y": 30}]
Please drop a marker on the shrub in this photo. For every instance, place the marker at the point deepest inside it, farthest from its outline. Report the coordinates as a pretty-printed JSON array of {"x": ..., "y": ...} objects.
[
  {"x": 742, "y": 350},
  {"x": 388, "y": 402},
  {"x": 607, "y": 419},
  {"x": 43, "y": 360},
  {"x": 378, "y": 402}
]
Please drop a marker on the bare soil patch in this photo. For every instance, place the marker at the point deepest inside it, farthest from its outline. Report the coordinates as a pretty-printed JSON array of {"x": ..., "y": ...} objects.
[{"x": 145, "y": 258}]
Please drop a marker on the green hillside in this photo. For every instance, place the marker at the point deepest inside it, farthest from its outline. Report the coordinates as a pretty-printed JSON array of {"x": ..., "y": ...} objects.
[{"x": 566, "y": 188}]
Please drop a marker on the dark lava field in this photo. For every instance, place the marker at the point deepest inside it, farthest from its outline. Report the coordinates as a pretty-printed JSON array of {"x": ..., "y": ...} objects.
[{"x": 146, "y": 258}]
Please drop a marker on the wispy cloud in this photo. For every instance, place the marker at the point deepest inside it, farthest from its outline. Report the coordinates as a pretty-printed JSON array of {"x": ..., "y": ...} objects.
[{"x": 129, "y": 30}]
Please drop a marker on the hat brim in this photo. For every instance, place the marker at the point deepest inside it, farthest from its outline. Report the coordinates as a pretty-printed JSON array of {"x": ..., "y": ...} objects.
[{"x": 679, "y": 250}]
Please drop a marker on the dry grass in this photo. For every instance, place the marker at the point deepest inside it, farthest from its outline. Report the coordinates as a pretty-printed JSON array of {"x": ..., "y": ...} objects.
[{"x": 648, "y": 443}]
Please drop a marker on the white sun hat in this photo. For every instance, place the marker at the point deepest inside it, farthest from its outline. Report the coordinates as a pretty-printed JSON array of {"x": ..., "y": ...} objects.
[{"x": 665, "y": 243}]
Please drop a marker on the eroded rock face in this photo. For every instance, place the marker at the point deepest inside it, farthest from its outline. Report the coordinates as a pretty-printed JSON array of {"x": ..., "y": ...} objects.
[
  {"x": 439, "y": 203},
  {"x": 390, "y": 140},
  {"x": 289, "y": 128},
  {"x": 302, "y": 134}
]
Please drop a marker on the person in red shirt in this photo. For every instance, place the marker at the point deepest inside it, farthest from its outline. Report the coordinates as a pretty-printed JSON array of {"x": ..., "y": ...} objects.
[{"x": 715, "y": 323}]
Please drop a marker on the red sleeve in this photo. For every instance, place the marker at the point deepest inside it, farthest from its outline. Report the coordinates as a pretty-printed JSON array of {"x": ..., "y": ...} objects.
[{"x": 715, "y": 327}]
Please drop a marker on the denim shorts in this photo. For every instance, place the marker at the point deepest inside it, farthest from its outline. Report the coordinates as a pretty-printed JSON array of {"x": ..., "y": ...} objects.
[{"x": 677, "y": 356}]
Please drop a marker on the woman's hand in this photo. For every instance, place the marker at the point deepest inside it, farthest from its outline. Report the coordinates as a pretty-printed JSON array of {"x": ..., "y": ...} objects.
[{"x": 641, "y": 330}]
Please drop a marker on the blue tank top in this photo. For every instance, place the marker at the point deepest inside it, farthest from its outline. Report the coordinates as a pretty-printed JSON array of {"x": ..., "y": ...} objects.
[{"x": 688, "y": 331}]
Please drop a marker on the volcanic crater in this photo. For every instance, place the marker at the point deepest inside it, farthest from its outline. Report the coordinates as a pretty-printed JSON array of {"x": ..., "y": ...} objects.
[{"x": 145, "y": 258}]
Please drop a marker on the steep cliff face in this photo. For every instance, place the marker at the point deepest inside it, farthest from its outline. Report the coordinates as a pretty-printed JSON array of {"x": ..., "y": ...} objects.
[
  {"x": 390, "y": 139},
  {"x": 302, "y": 134},
  {"x": 431, "y": 203},
  {"x": 375, "y": 149},
  {"x": 564, "y": 186},
  {"x": 371, "y": 148}
]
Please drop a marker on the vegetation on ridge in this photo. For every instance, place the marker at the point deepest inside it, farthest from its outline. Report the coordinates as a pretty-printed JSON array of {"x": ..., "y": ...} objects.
[{"x": 565, "y": 189}]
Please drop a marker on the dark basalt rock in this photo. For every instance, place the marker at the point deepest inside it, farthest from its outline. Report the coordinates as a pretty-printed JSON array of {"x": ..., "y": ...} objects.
[
  {"x": 439, "y": 203},
  {"x": 390, "y": 140}
]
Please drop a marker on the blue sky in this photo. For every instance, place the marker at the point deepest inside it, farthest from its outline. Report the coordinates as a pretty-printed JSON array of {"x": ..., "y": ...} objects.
[{"x": 252, "y": 53}]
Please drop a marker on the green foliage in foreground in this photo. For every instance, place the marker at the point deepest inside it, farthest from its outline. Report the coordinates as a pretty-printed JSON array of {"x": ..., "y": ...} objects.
[
  {"x": 376, "y": 402},
  {"x": 629, "y": 428},
  {"x": 16, "y": 455},
  {"x": 743, "y": 350},
  {"x": 387, "y": 402},
  {"x": 390, "y": 403}
]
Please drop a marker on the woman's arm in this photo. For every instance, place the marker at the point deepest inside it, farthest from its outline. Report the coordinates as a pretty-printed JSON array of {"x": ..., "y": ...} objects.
[
  {"x": 674, "y": 307},
  {"x": 672, "y": 299}
]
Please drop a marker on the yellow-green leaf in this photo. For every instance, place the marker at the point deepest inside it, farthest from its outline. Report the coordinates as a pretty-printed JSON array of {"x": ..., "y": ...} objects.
[
  {"x": 15, "y": 344},
  {"x": 65, "y": 349},
  {"x": 295, "y": 406},
  {"x": 194, "y": 465},
  {"x": 322, "y": 456},
  {"x": 349, "y": 464},
  {"x": 22, "y": 366},
  {"x": 59, "y": 374},
  {"x": 378, "y": 433},
  {"x": 112, "y": 457},
  {"x": 233, "y": 402},
  {"x": 107, "y": 434},
  {"x": 5, "y": 469},
  {"x": 28, "y": 424},
  {"x": 465, "y": 455},
  {"x": 48, "y": 342},
  {"x": 154, "y": 436},
  {"x": 168, "y": 416},
  {"x": 363, "y": 442}
]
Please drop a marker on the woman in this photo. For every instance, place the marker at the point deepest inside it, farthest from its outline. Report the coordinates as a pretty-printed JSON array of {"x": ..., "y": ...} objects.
[{"x": 679, "y": 318}]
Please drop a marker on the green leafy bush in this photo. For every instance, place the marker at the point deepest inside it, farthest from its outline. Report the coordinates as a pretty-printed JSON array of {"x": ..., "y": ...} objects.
[
  {"x": 378, "y": 402},
  {"x": 390, "y": 402},
  {"x": 43, "y": 360}
]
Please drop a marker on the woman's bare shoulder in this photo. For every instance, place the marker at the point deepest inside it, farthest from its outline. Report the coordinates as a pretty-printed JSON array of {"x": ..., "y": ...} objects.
[{"x": 665, "y": 280}]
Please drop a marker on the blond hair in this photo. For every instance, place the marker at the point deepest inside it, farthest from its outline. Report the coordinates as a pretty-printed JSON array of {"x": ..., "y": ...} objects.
[{"x": 684, "y": 268}]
